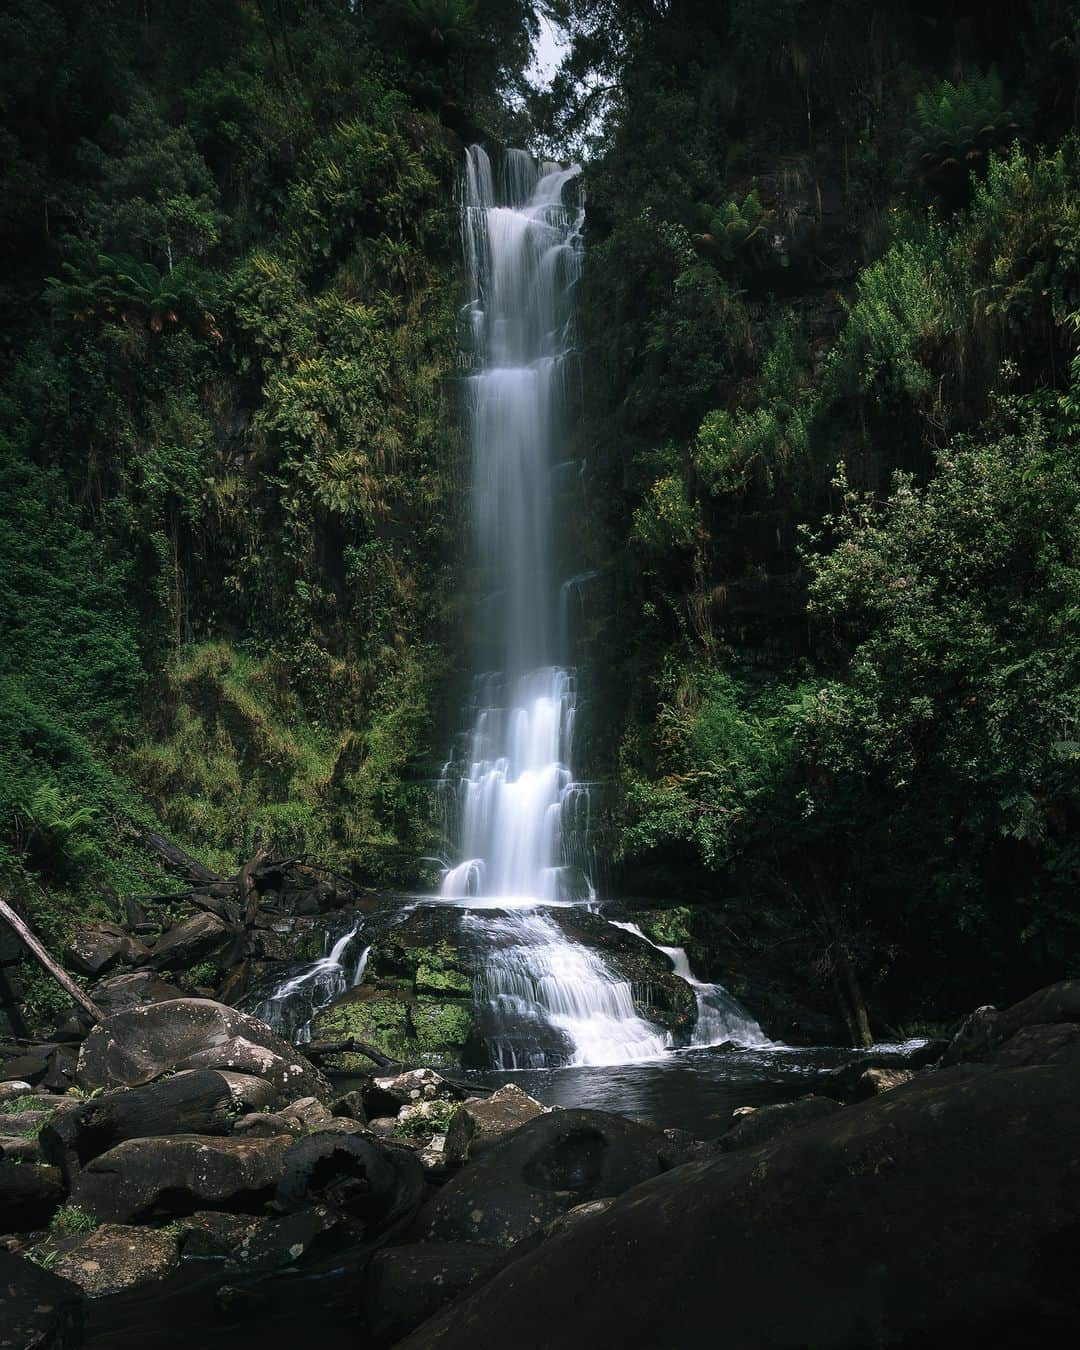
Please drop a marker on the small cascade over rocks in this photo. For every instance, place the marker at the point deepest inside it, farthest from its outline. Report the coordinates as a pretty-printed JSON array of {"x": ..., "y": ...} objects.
[
  {"x": 720, "y": 1019},
  {"x": 289, "y": 1007}
]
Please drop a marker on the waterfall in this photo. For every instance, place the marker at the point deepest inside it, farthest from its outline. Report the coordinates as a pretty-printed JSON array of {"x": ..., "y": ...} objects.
[
  {"x": 720, "y": 1019},
  {"x": 290, "y": 1007},
  {"x": 511, "y": 794}
]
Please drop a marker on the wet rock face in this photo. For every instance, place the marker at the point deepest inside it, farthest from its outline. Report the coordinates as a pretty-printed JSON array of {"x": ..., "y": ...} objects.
[
  {"x": 133, "y": 1047},
  {"x": 540, "y": 1171},
  {"x": 179, "y": 1174},
  {"x": 116, "y": 1257}
]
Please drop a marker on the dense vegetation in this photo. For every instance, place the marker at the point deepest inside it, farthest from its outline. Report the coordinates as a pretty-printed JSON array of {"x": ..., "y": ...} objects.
[
  {"x": 831, "y": 330},
  {"x": 833, "y": 318},
  {"x": 231, "y": 479}
]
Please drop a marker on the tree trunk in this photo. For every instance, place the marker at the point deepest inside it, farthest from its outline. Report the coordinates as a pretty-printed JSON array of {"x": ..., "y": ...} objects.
[{"x": 57, "y": 972}]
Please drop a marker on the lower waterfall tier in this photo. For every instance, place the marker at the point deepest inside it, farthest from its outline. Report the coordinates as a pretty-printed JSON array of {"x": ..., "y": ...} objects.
[{"x": 499, "y": 986}]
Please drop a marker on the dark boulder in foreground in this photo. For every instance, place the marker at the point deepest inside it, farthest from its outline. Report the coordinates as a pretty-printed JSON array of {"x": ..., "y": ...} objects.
[
  {"x": 197, "y": 1101},
  {"x": 377, "y": 1185},
  {"x": 140, "y": 1044},
  {"x": 944, "y": 1212},
  {"x": 765, "y": 1124},
  {"x": 179, "y": 1174},
  {"x": 985, "y": 1029},
  {"x": 544, "y": 1168},
  {"x": 38, "y": 1310},
  {"x": 403, "y": 1286},
  {"x": 29, "y": 1196}
]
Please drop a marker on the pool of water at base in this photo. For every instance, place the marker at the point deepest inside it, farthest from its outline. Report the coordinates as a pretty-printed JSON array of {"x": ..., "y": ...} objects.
[{"x": 694, "y": 1090}]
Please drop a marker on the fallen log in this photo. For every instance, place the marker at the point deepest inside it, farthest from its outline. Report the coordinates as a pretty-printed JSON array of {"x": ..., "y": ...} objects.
[
  {"x": 55, "y": 970},
  {"x": 317, "y": 1051},
  {"x": 320, "y": 1050},
  {"x": 175, "y": 857}
]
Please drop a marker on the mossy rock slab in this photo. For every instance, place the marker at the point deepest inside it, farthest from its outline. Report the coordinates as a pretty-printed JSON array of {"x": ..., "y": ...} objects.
[
  {"x": 414, "y": 1030},
  {"x": 443, "y": 1028},
  {"x": 378, "y": 1016},
  {"x": 426, "y": 947}
]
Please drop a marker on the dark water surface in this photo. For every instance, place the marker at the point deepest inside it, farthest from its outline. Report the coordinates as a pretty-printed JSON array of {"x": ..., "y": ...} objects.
[{"x": 694, "y": 1090}]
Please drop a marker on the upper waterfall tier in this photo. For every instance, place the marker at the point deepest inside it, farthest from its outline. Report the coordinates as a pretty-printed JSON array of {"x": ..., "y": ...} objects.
[
  {"x": 523, "y": 256},
  {"x": 509, "y": 787}
]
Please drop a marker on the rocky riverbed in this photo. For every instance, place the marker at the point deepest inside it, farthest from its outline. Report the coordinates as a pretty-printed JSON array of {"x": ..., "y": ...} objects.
[{"x": 199, "y": 1180}]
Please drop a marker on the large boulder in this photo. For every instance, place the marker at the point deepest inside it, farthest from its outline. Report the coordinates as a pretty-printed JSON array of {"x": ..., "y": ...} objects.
[
  {"x": 986, "y": 1028},
  {"x": 482, "y": 1121},
  {"x": 944, "y": 1212},
  {"x": 389, "y": 1092},
  {"x": 378, "y": 1186},
  {"x": 1058, "y": 1043},
  {"x": 131, "y": 990},
  {"x": 29, "y": 1196},
  {"x": 190, "y": 942},
  {"x": 538, "y": 1172},
  {"x": 136, "y": 1046},
  {"x": 766, "y": 1123},
  {"x": 196, "y": 1101},
  {"x": 178, "y": 1174},
  {"x": 38, "y": 1310},
  {"x": 99, "y": 949},
  {"x": 116, "y": 1257},
  {"x": 404, "y": 1286}
]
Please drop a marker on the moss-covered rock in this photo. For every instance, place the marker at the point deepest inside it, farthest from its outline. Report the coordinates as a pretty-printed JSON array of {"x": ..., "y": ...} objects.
[
  {"x": 668, "y": 927},
  {"x": 378, "y": 1016},
  {"x": 442, "y": 1029},
  {"x": 439, "y": 970},
  {"x": 413, "y": 1029}
]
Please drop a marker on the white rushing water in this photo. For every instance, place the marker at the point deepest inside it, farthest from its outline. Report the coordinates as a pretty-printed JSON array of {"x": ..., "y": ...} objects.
[
  {"x": 290, "y": 1008},
  {"x": 720, "y": 1019},
  {"x": 518, "y": 816},
  {"x": 513, "y": 799}
]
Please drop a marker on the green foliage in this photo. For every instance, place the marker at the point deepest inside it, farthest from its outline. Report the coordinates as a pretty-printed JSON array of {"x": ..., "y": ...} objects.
[
  {"x": 957, "y": 125},
  {"x": 70, "y": 1219},
  {"x": 436, "y": 1118}
]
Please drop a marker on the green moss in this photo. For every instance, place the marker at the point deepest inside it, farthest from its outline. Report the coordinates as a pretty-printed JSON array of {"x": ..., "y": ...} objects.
[
  {"x": 378, "y": 1018},
  {"x": 442, "y": 1028},
  {"x": 438, "y": 971},
  {"x": 668, "y": 927},
  {"x": 437, "y": 1119}
]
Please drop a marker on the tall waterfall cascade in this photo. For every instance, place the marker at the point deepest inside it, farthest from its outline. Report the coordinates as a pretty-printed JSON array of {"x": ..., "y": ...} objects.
[
  {"x": 543, "y": 995},
  {"x": 513, "y": 789},
  {"x": 512, "y": 794}
]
